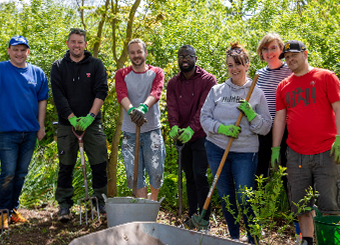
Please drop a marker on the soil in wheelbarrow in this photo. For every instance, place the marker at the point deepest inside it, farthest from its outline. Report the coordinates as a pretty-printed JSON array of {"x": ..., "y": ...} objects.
[{"x": 44, "y": 228}]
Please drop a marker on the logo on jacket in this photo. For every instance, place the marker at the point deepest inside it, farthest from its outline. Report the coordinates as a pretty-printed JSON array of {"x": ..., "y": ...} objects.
[
  {"x": 88, "y": 74},
  {"x": 33, "y": 83}
]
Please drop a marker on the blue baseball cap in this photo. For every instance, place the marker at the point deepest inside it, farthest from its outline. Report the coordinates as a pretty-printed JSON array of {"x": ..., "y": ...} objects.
[{"x": 17, "y": 40}]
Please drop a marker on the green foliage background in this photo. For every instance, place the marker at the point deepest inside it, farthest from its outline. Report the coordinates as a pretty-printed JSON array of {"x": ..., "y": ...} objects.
[{"x": 208, "y": 25}]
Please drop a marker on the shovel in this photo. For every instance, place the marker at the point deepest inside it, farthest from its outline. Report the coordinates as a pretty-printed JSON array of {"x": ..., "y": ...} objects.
[
  {"x": 198, "y": 221},
  {"x": 83, "y": 166},
  {"x": 179, "y": 147},
  {"x": 135, "y": 167}
]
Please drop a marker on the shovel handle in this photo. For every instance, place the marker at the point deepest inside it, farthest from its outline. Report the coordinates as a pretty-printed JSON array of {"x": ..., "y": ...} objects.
[
  {"x": 82, "y": 159},
  {"x": 226, "y": 152},
  {"x": 179, "y": 147},
  {"x": 135, "y": 167}
]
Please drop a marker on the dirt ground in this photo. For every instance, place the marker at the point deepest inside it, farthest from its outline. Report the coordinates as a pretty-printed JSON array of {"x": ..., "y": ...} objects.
[{"x": 44, "y": 228}]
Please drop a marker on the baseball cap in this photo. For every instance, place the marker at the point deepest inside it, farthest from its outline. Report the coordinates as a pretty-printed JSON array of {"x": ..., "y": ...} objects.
[
  {"x": 17, "y": 40},
  {"x": 292, "y": 46}
]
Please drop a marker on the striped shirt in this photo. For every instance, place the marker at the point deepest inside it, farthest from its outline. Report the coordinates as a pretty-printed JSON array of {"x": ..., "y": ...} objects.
[{"x": 268, "y": 81}]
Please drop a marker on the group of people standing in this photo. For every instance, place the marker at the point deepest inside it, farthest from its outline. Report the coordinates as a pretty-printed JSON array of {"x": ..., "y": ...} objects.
[{"x": 201, "y": 114}]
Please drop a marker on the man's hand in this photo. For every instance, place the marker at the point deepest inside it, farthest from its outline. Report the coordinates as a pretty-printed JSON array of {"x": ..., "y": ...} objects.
[
  {"x": 229, "y": 130},
  {"x": 174, "y": 132},
  {"x": 137, "y": 115},
  {"x": 336, "y": 149},
  {"x": 186, "y": 135},
  {"x": 246, "y": 108},
  {"x": 129, "y": 112},
  {"x": 84, "y": 122},
  {"x": 41, "y": 133},
  {"x": 73, "y": 120},
  {"x": 275, "y": 158}
]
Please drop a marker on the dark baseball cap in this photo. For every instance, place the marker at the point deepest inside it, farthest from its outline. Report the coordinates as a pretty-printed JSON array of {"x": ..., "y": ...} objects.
[
  {"x": 17, "y": 40},
  {"x": 292, "y": 46}
]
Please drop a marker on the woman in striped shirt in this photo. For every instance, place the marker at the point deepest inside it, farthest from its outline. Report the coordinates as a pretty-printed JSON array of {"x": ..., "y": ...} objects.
[{"x": 269, "y": 50}]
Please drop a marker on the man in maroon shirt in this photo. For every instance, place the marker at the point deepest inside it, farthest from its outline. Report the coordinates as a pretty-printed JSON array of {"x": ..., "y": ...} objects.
[{"x": 186, "y": 93}]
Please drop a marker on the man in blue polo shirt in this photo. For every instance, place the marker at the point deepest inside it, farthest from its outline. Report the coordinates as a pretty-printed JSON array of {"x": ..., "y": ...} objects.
[{"x": 23, "y": 99}]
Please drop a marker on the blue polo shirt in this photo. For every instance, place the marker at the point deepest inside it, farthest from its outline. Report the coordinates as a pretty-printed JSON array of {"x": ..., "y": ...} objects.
[{"x": 20, "y": 91}]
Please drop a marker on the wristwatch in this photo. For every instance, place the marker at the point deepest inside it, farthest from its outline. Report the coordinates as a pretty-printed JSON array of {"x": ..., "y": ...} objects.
[{"x": 92, "y": 115}]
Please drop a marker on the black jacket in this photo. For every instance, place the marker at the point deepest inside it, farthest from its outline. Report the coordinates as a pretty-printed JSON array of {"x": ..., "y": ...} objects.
[{"x": 76, "y": 85}]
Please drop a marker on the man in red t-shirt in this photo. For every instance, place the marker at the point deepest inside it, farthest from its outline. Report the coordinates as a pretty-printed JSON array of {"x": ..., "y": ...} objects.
[{"x": 309, "y": 102}]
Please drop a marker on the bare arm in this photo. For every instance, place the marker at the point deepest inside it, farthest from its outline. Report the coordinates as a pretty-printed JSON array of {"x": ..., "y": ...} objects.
[
  {"x": 336, "y": 108},
  {"x": 97, "y": 104},
  {"x": 41, "y": 118},
  {"x": 279, "y": 127},
  {"x": 126, "y": 103}
]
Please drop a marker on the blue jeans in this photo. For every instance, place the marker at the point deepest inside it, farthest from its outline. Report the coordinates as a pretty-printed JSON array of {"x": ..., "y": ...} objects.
[
  {"x": 238, "y": 171},
  {"x": 16, "y": 150},
  {"x": 151, "y": 158}
]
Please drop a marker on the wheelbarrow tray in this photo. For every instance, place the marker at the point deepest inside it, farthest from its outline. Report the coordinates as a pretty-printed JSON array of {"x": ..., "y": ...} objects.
[{"x": 150, "y": 233}]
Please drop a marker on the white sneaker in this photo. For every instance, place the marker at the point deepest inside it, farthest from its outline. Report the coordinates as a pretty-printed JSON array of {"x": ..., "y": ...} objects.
[{"x": 244, "y": 239}]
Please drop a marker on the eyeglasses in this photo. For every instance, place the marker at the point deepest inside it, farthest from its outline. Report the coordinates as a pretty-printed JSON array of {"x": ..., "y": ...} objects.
[
  {"x": 77, "y": 30},
  {"x": 187, "y": 57},
  {"x": 271, "y": 49}
]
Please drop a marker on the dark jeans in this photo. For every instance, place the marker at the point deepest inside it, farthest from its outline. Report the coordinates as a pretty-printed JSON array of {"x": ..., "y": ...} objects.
[
  {"x": 238, "y": 172},
  {"x": 265, "y": 153},
  {"x": 16, "y": 150},
  {"x": 195, "y": 164}
]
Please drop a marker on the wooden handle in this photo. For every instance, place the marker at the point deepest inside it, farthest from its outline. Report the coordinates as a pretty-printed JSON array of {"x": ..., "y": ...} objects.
[
  {"x": 226, "y": 152},
  {"x": 135, "y": 168}
]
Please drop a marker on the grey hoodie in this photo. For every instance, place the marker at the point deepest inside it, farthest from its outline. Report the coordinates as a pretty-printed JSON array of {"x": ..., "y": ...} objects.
[{"x": 220, "y": 107}]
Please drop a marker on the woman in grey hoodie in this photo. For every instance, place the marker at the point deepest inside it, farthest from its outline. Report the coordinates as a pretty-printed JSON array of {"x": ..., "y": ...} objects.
[{"x": 218, "y": 116}]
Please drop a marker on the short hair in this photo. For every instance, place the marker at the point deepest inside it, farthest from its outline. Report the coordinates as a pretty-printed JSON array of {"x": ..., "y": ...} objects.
[
  {"x": 77, "y": 31},
  {"x": 188, "y": 47},
  {"x": 266, "y": 40},
  {"x": 137, "y": 40},
  {"x": 237, "y": 52}
]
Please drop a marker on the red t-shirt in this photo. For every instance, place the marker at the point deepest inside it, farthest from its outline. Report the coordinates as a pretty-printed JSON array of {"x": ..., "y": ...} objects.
[{"x": 310, "y": 116}]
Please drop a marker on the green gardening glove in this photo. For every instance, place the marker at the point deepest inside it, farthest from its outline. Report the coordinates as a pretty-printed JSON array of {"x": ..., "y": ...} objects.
[
  {"x": 84, "y": 122},
  {"x": 275, "y": 158},
  {"x": 73, "y": 120},
  {"x": 137, "y": 115},
  {"x": 336, "y": 149},
  {"x": 130, "y": 110},
  {"x": 186, "y": 135},
  {"x": 174, "y": 132},
  {"x": 245, "y": 107},
  {"x": 229, "y": 130}
]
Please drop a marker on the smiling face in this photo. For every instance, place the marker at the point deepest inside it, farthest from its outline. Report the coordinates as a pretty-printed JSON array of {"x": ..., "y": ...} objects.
[
  {"x": 297, "y": 62},
  {"x": 186, "y": 59},
  {"x": 18, "y": 55},
  {"x": 76, "y": 44},
  {"x": 237, "y": 71},
  {"x": 137, "y": 55},
  {"x": 271, "y": 52}
]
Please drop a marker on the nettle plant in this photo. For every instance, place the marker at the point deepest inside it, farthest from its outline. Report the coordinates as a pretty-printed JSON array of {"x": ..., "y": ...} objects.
[{"x": 265, "y": 204}]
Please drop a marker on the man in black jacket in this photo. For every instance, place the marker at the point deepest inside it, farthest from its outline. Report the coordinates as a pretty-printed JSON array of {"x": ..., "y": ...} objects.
[{"x": 79, "y": 87}]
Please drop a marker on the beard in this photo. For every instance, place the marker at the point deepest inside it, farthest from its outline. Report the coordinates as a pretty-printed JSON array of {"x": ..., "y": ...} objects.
[
  {"x": 138, "y": 61},
  {"x": 188, "y": 68},
  {"x": 77, "y": 55}
]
